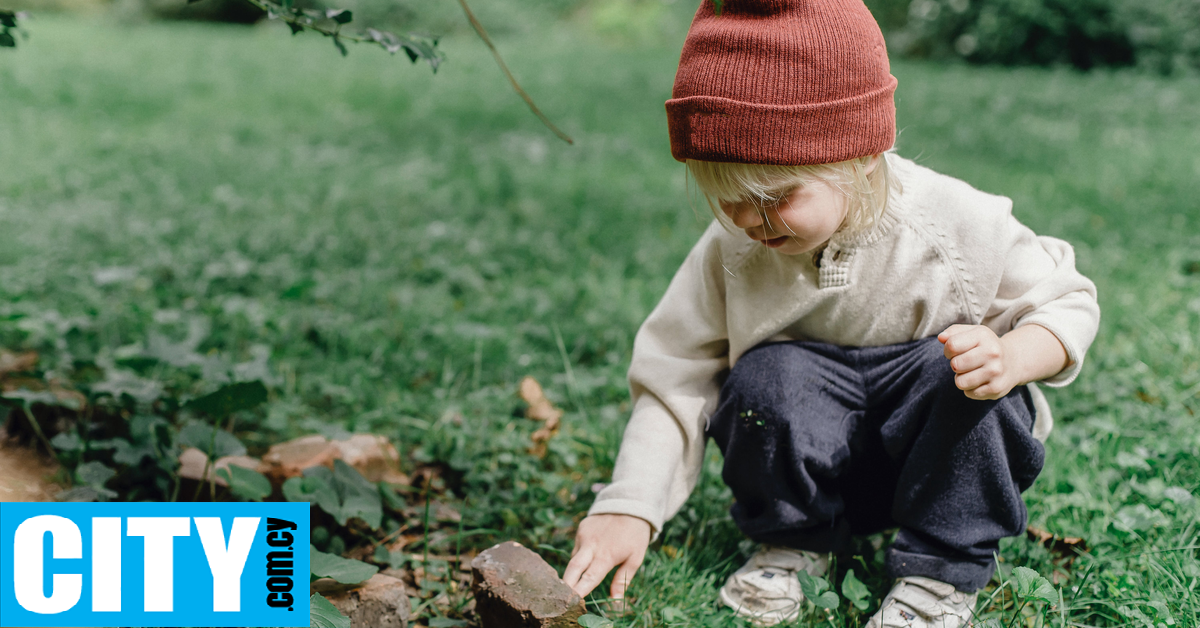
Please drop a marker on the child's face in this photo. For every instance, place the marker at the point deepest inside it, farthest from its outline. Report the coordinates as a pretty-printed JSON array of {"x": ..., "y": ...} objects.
[{"x": 801, "y": 221}]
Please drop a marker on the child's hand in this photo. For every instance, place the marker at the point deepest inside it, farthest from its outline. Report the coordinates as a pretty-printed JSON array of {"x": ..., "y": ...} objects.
[
  {"x": 988, "y": 367},
  {"x": 983, "y": 368},
  {"x": 601, "y": 543}
]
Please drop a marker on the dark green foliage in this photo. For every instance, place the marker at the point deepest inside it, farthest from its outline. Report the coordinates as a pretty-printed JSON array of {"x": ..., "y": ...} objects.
[
  {"x": 246, "y": 483},
  {"x": 1163, "y": 35},
  {"x": 342, "y": 493},
  {"x": 9, "y": 28},
  {"x": 229, "y": 399},
  {"x": 1081, "y": 33},
  {"x": 324, "y": 614},
  {"x": 215, "y": 442},
  {"x": 344, "y": 570}
]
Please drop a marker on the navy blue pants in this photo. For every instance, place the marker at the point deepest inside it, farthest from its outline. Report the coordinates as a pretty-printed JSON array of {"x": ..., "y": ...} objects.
[{"x": 822, "y": 442}]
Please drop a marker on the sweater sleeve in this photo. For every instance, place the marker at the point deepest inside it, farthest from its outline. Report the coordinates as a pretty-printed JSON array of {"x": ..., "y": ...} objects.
[
  {"x": 1040, "y": 285},
  {"x": 678, "y": 355}
]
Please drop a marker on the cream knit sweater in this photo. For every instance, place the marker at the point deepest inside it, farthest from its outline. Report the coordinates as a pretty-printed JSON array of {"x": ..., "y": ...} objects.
[{"x": 943, "y": 253}]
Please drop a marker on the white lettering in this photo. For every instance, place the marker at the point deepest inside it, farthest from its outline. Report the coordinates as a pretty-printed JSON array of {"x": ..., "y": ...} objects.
[
  {"x": 106, "y": 564},
  {"x": 227, "y": 563},
  {"x": 159, "y": 568},
  {"x": 28, "y": 570}
]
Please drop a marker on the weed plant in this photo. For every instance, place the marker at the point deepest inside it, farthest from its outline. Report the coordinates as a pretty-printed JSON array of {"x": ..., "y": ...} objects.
[{"x": 392, "y": 251}]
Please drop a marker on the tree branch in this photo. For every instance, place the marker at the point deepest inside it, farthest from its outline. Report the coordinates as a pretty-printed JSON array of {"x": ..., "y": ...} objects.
[{"x": 511, "y": 79}]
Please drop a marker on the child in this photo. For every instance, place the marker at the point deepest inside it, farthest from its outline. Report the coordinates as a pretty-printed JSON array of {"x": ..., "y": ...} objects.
[{"x": 855, "y": 331}]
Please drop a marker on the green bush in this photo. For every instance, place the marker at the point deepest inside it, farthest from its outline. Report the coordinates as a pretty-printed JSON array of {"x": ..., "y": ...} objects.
[{"x": 1163, "y": 35}]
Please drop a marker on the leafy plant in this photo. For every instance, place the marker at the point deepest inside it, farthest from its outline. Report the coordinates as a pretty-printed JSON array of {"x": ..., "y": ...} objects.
[
  {"x": 343, "y": 493},
  {"x": 589, "y": 620},
  {"x": 246, "y": 483},
  {"x": 343, "y": 570},
  {"x": 817, "y": 590},
  {"x": 229, "y": 399},
  {"x": 9, "y": 28},
  {"x": 325, "y": 615},
  {"x": 855, "y": 591}
]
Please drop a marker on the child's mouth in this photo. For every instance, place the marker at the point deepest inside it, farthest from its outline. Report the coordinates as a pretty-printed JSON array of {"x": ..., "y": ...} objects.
[{"x": 775, "y": 243}]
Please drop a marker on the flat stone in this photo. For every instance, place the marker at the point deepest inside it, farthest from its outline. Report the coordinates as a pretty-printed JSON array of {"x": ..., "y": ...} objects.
[
  {"x": 380, "y": 602},
  {"x": 515, "y": 588}
]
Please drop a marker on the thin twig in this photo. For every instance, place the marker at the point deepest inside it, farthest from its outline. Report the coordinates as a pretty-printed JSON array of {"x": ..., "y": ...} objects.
[{"x": 511, "y": 79}]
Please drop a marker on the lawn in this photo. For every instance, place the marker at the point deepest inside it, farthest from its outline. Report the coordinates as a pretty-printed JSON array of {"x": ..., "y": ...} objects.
[{"x": 391, "y": 251}]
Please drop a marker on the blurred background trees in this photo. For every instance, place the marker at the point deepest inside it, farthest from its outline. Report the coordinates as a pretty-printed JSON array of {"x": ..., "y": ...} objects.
[{"x": 1159, "y": 35}]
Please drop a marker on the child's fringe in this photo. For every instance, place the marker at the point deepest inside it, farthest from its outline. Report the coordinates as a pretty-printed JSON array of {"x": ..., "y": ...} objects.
[{"x": 866, "y": 192}]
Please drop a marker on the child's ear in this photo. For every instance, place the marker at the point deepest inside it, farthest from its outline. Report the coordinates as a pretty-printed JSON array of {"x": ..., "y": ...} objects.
[{"x": 873, "y": 163}]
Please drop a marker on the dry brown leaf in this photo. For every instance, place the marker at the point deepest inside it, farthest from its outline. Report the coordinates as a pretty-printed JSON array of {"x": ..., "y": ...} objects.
[
  {"x": 1065, "y": 550},
  {"x": 192, "y": 462},
  {"x": 17, "y": 362},
  {"x": 23, "y": 473},
  {"x": 540, "y": 408},
  {"x": 64, "y": 396},
  {"x": 1064, "y": 547},
  {"x": 371, "y": 455}
]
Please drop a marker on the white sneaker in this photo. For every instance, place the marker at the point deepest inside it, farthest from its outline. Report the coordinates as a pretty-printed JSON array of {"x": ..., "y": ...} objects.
[
  {"x": 916, "y": 602},
  {"x": 766, "y": 590}
]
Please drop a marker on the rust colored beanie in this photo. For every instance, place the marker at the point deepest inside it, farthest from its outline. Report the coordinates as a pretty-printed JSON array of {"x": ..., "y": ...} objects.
[{"x": 785, "y": 82}]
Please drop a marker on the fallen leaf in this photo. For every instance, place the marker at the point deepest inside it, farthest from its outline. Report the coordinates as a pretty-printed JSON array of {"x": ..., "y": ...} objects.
[
  {"x": 540, "y": 408},
  {"x": 1065, "y": 546},
  {"x": 23, "y": 474},
  {"x": 192, "y": 462},
  {"x": 1065, "y": 550},
  {"x": 371, "y": 455},
  {"x": 17, "y": 362}
]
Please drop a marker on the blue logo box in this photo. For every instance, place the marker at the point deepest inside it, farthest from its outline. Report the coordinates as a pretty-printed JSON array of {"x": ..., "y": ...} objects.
[{"x": 154, "y": 564}]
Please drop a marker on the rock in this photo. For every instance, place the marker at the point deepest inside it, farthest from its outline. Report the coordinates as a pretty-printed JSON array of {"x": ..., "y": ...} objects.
[
  {"x": 515, "y": 588},
  {"x": 23, "y": 474},
  {"x": 371, "y": 455},
  {"x": 192, "y": 460},
  {"x": 380, "y": 602}
]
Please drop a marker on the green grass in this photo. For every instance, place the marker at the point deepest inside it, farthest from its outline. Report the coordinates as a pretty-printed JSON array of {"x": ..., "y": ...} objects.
[{"x": 408, "y": 246}]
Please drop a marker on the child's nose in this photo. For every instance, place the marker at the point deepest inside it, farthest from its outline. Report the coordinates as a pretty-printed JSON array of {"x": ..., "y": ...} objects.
[{"x": 744, "y": 215}]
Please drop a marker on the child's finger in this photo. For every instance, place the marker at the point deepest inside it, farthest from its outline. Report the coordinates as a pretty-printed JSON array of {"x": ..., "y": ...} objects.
[
  {"x": 953, "y": 330},
  {"x": 575, "y": 568},
  {"x": 626, "y": 572},
  {"x": 962, "y": 342},
  {"x": 593, "y": 576},
  {"x": 977, "y": 357},
  {"x": 970, "y": 381},
  {"x": 623, "y": 576}
]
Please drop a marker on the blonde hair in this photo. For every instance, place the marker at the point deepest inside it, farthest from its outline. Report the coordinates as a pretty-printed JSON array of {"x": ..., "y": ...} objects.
[{"x": 766, "y": 184}]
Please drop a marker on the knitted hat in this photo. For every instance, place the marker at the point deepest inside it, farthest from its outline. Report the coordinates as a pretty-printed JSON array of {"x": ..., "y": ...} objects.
[{"x": 786, "y": 82}]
